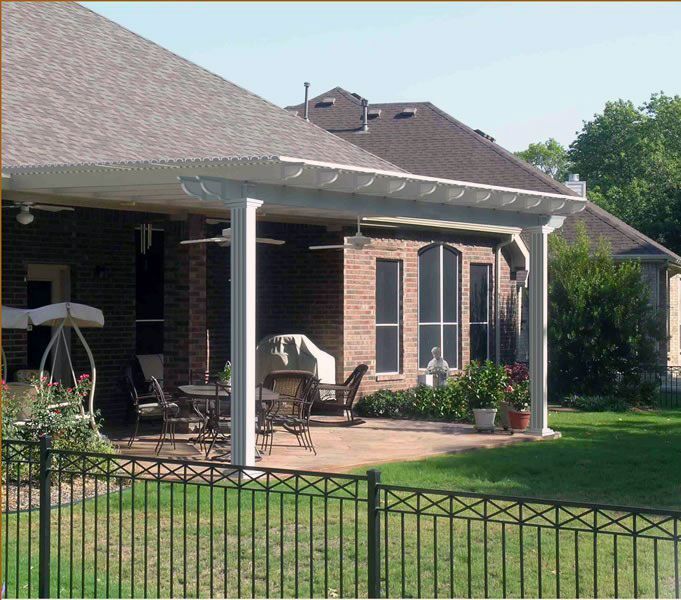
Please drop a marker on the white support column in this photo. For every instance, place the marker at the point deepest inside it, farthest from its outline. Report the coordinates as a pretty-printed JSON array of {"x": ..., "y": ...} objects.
[
  {"x": 538, "y": 296},
  {"x": 243, "y": 328}
]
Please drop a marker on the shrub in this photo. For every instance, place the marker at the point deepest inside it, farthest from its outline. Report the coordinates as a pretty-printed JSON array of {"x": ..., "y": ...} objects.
[
  {"x": 596, "y": 403},
  {"x": 446, "y": 403},
  {"x": 517, "y": 391},
  {"x": 55, "y": 410},
  {"x": 602, "y": 326},
  {"x": 484, "y": 384}
]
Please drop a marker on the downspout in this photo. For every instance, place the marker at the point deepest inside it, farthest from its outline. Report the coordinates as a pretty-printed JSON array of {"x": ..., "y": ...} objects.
[{"x": 497, "y": 291}]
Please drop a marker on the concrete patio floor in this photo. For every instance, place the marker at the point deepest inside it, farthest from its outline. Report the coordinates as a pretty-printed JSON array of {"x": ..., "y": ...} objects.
[{"x": 340, "y": 447}]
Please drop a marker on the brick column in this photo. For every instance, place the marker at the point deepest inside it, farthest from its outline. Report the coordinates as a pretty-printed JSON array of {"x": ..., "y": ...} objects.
[{"x": 185, "y": 302}]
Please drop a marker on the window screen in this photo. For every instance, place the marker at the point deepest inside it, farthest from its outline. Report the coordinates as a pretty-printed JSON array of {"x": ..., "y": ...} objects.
[
  {"x": 439, "y": 304},
  {"x": 479, "y": 307},
  {"x": 387, "y": 316}
]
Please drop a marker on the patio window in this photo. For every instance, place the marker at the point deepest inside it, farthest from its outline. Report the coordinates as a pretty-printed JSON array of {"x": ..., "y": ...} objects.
[
  {"x": 388, "y": 292},
  {"x": 439, "y": 304},
  {"x": 479, "y": 307}
]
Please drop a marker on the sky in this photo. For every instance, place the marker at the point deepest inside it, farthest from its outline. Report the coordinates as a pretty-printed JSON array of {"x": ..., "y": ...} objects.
[{"x": 522, "y": 72}]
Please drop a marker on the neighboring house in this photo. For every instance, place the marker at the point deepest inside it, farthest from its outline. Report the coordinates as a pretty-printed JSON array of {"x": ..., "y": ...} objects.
[
  {"x": 421, "y": 138},
  {"x": 149, "y": 150}
]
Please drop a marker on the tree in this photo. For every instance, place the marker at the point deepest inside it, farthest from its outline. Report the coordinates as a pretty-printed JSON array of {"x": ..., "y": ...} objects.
[
  {"x": 631, "y": 160},
  {"x": 602, "y": 326},
  {"x": 549, "y": 157}
]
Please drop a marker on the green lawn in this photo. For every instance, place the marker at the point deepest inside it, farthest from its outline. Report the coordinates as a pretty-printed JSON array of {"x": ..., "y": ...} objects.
[
  {"x": 208, "y": 542},
  {"x": 631, "y": 458}
]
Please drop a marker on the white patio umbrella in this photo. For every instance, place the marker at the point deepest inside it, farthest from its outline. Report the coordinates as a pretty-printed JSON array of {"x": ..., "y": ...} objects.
[
  {"x": 76, "y": 316},
  {"x": 12, "y": 318}
]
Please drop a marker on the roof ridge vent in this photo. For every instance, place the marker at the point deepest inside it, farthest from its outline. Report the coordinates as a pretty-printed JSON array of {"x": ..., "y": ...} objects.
[
  {"x": 487, "y": 136},
  {"x": 374, "y": 113}
]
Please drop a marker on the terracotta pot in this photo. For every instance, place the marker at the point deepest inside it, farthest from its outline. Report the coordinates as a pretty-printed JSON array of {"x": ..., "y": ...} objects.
[
  {"x": 519, "y": 420},
  {"x": 484, "y": 418}
]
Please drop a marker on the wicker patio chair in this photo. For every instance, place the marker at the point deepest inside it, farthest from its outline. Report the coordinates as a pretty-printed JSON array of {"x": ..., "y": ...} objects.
[{"x": 342, "y": 396}]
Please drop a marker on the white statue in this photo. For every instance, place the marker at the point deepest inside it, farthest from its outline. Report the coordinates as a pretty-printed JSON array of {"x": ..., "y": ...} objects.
[{"x": 438, "y": 367}]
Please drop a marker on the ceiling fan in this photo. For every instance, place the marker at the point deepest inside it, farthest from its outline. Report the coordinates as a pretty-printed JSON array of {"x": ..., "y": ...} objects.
[
  {"x": 354, "y": 242},
  {"x": 226, "y": 239},
  {"x": 26, "y": 217}
]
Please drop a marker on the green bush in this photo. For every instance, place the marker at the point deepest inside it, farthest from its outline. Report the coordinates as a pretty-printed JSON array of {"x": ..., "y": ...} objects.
[
  {"x": 446, "y": 403},
  {"x": 54, "y": 410},
  {"x": 484, "y": 384},
  {"x": 602, "y": 326}
]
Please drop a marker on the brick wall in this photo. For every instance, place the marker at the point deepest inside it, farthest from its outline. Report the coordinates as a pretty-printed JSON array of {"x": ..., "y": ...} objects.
[
  {"x": 98, "y": 248},
  {"x": 359, "y": 302},
  {"x": 327, "y": 295},
  {"x": 298, "y": 291}
]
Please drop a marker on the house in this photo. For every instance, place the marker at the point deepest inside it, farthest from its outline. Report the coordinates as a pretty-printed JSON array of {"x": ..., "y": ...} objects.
[
  {"x": 116, "y": 150},
  {"x": 421, "y": 138}
]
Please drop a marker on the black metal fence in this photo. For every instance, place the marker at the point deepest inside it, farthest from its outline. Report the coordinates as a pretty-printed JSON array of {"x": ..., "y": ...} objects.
[
  {"x": 667, "y": 381},
  {"x": 87, "y": 525}
]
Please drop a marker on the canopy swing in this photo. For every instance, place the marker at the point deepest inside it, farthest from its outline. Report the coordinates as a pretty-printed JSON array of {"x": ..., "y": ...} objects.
[{"x": 76, "y": 316}]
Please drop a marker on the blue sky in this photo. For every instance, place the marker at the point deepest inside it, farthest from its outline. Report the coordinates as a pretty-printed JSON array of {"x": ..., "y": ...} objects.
[{"x": 522, "y": 72}]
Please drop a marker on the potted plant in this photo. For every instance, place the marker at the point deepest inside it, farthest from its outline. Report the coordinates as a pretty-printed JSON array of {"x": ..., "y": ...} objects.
[
  {"x": 484, "y": 385},
  {"x": 518, "y": 397},
  {"x": 225, "y": 376}
]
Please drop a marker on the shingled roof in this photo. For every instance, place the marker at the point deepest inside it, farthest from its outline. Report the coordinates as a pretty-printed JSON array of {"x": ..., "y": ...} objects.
[
  {"x": 431, "y": 142},
  {"x": 78, "y": 88}
]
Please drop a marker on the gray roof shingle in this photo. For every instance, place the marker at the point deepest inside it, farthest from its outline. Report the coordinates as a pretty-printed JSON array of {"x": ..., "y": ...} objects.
[
  {"x": 78, "y": 88},
  {"x": 433, "y": 143}
]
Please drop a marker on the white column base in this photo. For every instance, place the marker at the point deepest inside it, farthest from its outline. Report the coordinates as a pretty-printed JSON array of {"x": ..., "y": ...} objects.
[{"x": 545, "y": 433}]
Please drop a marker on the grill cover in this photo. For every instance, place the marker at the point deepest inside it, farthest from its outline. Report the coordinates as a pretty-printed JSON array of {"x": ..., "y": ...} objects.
[{"x": 293, "y": 352}]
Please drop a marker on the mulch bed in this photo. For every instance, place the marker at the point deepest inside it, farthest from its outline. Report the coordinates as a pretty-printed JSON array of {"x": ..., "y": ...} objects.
[{"x": 26, "y": 495}]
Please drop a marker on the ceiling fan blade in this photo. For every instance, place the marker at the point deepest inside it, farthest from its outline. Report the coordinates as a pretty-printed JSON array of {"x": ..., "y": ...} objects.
[
  {"x": 51, "y": 207},
  {"x": 331, "y": 247},
  {"x": 216, "y": 221},
  {"x": 12, "y": 206},
  {"x": 270, "y": 241},
  {"x": 217, "y": 240}
]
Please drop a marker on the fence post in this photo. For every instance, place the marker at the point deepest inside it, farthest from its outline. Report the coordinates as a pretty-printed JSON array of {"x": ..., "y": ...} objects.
[
  {"x": 45, "y": 480},
  {"x": 373, "y": 534}
]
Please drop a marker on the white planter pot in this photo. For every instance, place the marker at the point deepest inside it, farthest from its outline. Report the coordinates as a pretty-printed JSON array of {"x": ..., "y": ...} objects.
[{"x": 484, "y": 418}]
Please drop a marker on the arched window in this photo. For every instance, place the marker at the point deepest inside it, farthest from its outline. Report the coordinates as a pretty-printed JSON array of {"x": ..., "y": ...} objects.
[{"x": 439, "y": 304}]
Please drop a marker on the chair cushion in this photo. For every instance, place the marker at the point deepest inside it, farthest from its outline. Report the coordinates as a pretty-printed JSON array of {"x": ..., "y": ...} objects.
[{"x": 149, "y": 409}]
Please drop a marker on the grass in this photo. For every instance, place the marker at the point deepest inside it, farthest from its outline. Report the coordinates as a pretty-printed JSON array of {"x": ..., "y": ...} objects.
[
  {"x": 628, "y": 459},
  {"x": 170, "y": 539}
]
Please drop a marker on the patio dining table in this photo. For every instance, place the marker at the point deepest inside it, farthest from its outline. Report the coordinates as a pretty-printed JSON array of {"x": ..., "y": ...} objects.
[{"x": 208, "y": 393}]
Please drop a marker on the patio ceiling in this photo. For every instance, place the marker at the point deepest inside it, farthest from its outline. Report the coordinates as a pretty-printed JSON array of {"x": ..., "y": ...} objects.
[{"x": 287, "y": 186}]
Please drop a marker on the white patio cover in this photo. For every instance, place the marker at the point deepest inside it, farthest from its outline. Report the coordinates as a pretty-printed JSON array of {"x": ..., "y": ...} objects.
[
  {"x": 293, "y": 352},
  {"x": 54, "y": 315},
  {"x": 14, "y": 318}
]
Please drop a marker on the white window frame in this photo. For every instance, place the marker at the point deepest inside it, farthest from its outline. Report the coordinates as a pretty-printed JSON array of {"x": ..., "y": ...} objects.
[
  {"x": 397, "y": 325},
  {"x": 488, "y": 269},
  {"x": 442, "y": 323}
]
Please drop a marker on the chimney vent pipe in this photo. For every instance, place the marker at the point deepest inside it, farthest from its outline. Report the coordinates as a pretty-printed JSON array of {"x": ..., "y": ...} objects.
[
  {"x": 365, "y": 114},
  {"x": 307, "y": 104}
]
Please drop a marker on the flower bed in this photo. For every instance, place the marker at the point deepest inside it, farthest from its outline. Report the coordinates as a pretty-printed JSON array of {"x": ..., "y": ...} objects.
[{"x": 481, "y": 385}]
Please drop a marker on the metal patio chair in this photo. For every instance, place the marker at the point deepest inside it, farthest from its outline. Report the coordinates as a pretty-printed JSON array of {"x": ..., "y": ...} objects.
[{"x": 343, "y": 396}]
